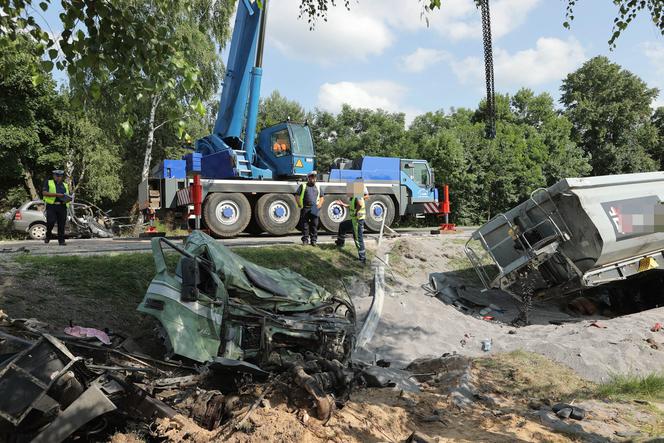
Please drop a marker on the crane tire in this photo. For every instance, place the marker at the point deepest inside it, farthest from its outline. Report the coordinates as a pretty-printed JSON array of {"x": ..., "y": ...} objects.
[
  {"x": 331, "y": 214},
  {"x": 379, "y": 206},
  {"x": 277, "y": 214},
  {"x": 226, "y": 215}
]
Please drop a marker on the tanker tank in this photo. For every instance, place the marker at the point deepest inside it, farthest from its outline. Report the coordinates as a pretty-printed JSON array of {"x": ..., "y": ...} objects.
[{"x": 577, "y": 234}]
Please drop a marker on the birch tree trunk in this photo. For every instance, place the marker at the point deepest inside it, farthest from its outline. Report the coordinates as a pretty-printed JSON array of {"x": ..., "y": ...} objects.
[{"x": 147, "y": 158}]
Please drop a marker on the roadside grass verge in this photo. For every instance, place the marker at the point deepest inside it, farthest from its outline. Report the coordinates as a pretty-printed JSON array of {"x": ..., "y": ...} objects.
[
  {"x": 633, "y": 387},
  {"x": 104, "y": 290},
  {"x": 529, "y": 375},
  {"x": 127, "y": 274}
]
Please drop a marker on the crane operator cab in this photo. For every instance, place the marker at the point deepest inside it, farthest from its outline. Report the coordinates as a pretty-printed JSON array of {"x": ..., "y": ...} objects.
[{"x": 287, "y": 149}]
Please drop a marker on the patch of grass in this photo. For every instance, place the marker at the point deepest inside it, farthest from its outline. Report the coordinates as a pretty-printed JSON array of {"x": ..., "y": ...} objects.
[
  {"x": 324, "y": 265},
  {"x": 170, "y": 230},
  {"x": 526, "y": 374},
  {"x": 105, "y": 290},
  {"x": 632, "y": 387},
  {"x": 127, "y": 276}
]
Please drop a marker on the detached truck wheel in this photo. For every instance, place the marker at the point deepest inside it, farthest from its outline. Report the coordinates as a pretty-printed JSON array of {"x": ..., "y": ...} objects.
[
  {"x": 277, "y": 214},
  {"x": 332, "y": 214},
  {"x": 226, "y": 214},
  {"x": 379, "y": 207}
]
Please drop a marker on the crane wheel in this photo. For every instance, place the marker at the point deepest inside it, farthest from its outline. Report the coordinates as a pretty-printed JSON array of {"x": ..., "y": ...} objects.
[
  {"x": 332, "y": 214},
  {"x": 226, "y": 215},
  {"x": 277, "y": 214},
  {"x": 379, "y": 207}
]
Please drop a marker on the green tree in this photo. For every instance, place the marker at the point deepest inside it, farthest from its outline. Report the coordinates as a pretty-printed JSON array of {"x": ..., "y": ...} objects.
[
  {"x": 532, "y": 148},
  {"x": 27, "y": 116},
  {"x": 276, "y": 109},
  {"x": 657, "y": 121},
  {"x": 357, "y": 132},
  {"x": 39, "y": 130},
  {"x": 609, "y": 108}
]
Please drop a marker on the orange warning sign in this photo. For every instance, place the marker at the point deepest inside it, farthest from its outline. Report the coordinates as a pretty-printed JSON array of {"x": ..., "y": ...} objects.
[{"x": 298, "y": 163}]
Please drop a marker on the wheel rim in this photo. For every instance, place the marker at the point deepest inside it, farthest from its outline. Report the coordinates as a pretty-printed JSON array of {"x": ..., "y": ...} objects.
[
  {"x": 279, "y": 212},
  {"x": 336, "y": 212},
  {"x": 377, "y": 211},
  {"x": 227, "y": 212},
  {"x": 38, "y": 232}
]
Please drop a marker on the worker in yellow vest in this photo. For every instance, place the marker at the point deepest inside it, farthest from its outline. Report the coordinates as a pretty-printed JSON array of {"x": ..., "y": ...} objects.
[
  {"x": 358, "y": 213},
  {"x": 309, "y": 198},
  {"x": 56, "y": 196}
]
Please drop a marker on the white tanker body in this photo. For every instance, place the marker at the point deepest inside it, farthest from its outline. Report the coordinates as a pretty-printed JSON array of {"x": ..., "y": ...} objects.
[{"x": 577, "y": 234}]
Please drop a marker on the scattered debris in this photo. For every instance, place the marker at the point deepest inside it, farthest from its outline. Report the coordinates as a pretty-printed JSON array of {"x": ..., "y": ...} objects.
[
  {"x": 486, "y": 344},
  {"x": 656, "y": 327},
  {"x": 564, "y": 410},
  {"x": 80, "y": 331},
  {"x": 596, "y": 324},
  {"x": 652, "y": 343}
]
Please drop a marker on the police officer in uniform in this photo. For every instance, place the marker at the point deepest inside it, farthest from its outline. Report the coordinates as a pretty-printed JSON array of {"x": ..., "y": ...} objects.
[
  {"x": 56, "y": 196},
  {"x": 309, "y": 199}
]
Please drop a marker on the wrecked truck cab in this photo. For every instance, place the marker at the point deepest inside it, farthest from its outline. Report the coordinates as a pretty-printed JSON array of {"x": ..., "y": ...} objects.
[{"x": 218, "y": 307}]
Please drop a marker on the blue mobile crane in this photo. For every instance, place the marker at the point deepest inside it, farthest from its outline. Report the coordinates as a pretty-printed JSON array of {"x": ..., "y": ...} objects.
[{"x": 248, "y": 183}]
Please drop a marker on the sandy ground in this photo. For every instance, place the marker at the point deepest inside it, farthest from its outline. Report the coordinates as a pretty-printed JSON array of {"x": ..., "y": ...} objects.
[{"x": 415, "y": 324}]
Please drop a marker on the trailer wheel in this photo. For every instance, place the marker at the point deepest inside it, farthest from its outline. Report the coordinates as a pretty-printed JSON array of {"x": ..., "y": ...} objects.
[
  {"x": 332, "y": 214},
  {"x": 379, "y": 207},
  {"x": 277, "y": 214},
  {"x": 226, "y": 214}
]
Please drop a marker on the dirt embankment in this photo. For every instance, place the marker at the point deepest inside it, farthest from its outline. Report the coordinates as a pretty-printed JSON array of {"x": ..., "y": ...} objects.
[{"x": 414, "y": 323}]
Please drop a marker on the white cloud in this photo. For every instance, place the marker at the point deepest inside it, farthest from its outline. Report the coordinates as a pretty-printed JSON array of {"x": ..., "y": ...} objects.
[
  {"x": 550, "y": 60},
  {"x": 456, "y": 19},
  {"x": 422, "y": 58},
  {"x": 372, "y": 94},
  {"x": 655, "y": 53},
  {"x": 346, "y": 35},
  {"x": 379, "y": 94},
  {"x": 370, "y": 26}
]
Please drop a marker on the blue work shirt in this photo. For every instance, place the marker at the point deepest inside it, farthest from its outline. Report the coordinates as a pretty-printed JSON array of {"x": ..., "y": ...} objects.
[{"x": 310, "y": 198}]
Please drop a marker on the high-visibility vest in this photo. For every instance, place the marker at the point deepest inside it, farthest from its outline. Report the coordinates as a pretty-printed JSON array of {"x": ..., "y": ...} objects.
[
  {"x": 300, "y": 202},
  {"x": 359, "y": 214},
  {"x": 52, "y": 189}
]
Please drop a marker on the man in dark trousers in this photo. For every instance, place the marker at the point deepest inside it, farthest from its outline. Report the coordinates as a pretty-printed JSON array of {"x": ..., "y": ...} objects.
[
  {"x": 56, "y": 196},
  {"x": 358, "y": 194},
  {"x": 309, "y": 199}
]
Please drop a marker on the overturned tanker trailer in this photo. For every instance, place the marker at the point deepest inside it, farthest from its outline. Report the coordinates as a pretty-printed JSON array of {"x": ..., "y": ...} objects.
[{"x": 577, "y": 234}]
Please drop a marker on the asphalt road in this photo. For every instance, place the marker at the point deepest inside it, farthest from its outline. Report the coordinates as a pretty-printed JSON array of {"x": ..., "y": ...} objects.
[{"x": 119, "y": 245}]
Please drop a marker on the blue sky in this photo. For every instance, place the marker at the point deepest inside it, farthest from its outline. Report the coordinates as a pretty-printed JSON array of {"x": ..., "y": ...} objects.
[{"x": 381, "y": 54}]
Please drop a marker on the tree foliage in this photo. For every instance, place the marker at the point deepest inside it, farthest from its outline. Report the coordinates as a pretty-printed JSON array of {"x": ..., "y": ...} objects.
[
  {"x": 276, "y": 109},
  {"x": 40, "y": 130},
  {"x": 610, "y": 109}
]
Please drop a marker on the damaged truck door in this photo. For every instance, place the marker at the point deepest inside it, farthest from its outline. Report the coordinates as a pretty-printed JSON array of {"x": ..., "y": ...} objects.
[{"x": 217, "y": 306}]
